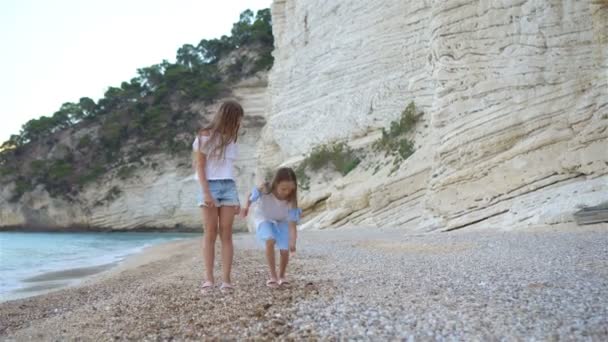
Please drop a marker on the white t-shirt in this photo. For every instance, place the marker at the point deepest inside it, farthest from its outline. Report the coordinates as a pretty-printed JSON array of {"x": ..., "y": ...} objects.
[
  {"x": 222, "y": 168},
  {"x": 269, "y": 208}
]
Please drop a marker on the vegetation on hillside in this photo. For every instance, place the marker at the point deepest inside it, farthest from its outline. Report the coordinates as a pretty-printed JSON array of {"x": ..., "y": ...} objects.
[
  {"x": 148, "y": 114},
  {"x": 339, "y": 156},
  {"x": 395, "y": 143}
]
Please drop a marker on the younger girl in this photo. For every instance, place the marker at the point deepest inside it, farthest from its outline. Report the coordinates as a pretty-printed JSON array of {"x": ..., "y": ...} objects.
[
  {"x": 275, "y": 219},
  {"x": 215, "y": 151}
]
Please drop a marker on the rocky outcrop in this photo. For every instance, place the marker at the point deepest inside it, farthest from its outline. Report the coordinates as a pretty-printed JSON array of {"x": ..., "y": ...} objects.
[
  {"x": 515, "y": 95},
  {"x": 162, "y": 196}
]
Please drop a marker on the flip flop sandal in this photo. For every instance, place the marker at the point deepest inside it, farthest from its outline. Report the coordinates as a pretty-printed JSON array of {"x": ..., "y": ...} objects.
[
  {"x": 226, "y": 288},
  {"x": 273, "y": 284},
  {"x": 206, "y": 287},
  {"x": 284, "y": 282}
]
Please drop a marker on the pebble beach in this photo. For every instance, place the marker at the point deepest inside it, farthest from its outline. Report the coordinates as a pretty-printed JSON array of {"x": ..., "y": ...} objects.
[{"x": 369, "y": 284}]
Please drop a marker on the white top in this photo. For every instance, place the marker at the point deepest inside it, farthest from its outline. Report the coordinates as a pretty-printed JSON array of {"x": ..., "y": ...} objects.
[
  {"x": 269, "y": 208},
  {"x": 222, "y": 168}
]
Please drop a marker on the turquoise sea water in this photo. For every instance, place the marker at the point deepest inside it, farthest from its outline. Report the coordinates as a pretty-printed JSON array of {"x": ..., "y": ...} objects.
[{"x": 27, "y": 255}]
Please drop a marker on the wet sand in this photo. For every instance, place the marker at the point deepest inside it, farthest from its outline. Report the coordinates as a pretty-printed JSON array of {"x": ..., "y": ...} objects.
[{"x": 72, "y": 273}]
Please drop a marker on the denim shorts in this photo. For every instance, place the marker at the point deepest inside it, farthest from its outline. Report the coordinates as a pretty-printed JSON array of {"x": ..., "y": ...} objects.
[{"x": 223, "y": 191}]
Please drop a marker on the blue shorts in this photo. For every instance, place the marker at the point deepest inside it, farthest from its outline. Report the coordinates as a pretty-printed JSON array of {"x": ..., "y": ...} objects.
[
  {"x": 223, "y": 191},
  {"x": 279, "y": 232}
]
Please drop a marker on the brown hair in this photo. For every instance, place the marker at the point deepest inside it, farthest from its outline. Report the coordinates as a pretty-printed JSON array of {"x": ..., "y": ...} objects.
[
  {"x": 285, "y": 174},
  {"x": 223, "y": 130}
]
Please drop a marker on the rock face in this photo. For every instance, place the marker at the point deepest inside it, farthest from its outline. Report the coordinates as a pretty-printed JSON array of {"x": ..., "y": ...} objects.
[
  {"x": 514, "y": 130},
  {"x": 515, "y": 96},
  {"x": 161, "y": 197}
]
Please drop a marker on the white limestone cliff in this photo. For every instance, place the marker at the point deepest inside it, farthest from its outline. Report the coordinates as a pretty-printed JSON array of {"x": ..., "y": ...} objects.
[{"x": 515, "y": 95}]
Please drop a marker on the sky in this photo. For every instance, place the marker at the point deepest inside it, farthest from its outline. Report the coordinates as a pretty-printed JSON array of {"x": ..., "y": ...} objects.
[{"x": 59, "y": 51}]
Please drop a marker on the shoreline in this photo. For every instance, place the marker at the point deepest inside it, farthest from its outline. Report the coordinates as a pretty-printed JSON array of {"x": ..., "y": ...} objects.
[
  {"x": 93, "y": 229},
  {"x": 67, "y": 278},
  {"x": 48, "y": 282}
]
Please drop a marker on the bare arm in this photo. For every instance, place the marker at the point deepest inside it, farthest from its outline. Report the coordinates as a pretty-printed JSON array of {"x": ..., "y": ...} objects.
[
  {"x": 293, "y": 236},
  {"x": 201, "y": 162},
  {"x": 245, "y": 210}
]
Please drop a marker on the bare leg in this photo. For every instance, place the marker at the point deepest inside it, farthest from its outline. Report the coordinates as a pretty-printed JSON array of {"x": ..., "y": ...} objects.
[
  {"x": 226, "y": 221},
  {"x": 283, "y": 263},
  {"x": 210, "y": 220},
  {"x": 271, "y": 259}
]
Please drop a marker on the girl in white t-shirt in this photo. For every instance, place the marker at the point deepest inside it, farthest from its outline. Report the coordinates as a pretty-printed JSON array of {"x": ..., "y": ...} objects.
[
  {"x": 276, "y": 215},
  {"x": 215, "y": 151}
]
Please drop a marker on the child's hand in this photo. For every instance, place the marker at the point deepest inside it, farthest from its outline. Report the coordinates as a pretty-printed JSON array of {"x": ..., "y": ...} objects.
[
  {"x": 292, "y": 247},
  {"x": 244, "y": 212}
]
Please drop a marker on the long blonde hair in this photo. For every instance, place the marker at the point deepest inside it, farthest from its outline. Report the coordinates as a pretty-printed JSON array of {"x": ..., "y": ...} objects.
[{"x": 223, "y": 130}]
